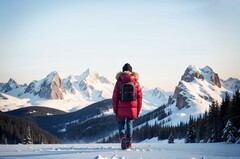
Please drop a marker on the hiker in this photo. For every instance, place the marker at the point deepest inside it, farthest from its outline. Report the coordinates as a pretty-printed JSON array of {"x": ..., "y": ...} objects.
[{"x": 127, "y": 103}]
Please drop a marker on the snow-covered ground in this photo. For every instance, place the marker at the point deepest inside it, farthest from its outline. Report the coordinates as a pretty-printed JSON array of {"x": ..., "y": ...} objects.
[{"x": 159, "y": 150}]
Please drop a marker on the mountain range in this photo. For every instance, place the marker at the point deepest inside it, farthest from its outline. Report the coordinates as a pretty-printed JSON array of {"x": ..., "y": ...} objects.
[
  {"x": 85, "y": 102},
  {"x": 196, "y": 90},
  {"x": 69, "y": 94}
]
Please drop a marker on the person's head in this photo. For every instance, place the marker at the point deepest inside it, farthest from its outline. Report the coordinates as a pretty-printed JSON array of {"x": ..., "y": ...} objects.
[{"x": 127, "y": 67}]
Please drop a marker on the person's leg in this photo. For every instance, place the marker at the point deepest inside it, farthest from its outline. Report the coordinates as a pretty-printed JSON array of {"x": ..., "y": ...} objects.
[
  {"x": 121, "y": 127},
  {"x": 129, "y": 127},
  {"x": 122, "y": 136},
  {"x": 129, "y": 132}
]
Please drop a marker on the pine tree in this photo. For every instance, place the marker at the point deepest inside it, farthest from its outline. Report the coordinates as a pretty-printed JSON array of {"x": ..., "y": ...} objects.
[
  {"x": 234, "y": 110},
  {"x": 224, "y": 109},
  {"x": 238, "y": 137},
  {"x": 214, "y": 122},
  {"x": 201, "y": 129},
  {"x": 191, "y": 135},
  {"x": 171, "y": 138},
  {"x": 229, "y": 133},
  {"x": 3, "y": 139},
  {"x": 27, "y": 138}
]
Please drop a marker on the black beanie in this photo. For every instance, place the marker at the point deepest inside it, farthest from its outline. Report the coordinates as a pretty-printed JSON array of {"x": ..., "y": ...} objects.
[{"x": 127, "y": 67}]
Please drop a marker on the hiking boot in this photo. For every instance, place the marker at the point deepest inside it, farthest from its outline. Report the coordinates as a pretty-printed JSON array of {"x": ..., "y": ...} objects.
[
  {"x": 129, "y": 142},
  {"x": 122, "y": 139},
  {"x": 123, "y": 143}
]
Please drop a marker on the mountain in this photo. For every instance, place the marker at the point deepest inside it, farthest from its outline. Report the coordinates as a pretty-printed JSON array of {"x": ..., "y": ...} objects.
[
  {"x": 87, "y": 88},
  {"x": 153, "y": 98},
  {"x": 10, "y": 85},
  {"x": 196, "y": 90},
  {"x": 231, "y": 84},
  {"x": 49, "y": 88},
  {"x": 197, "y": 86},
  {"x": 90, "y": 85},
  {"x": 72, "y": 93}
]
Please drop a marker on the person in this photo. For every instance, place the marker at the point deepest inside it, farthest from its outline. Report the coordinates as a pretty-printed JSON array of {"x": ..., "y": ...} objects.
[{"x": 126, "y": 111}]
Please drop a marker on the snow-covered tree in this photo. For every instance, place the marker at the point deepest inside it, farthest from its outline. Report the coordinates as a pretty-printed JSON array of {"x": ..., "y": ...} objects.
[
  {"x": 27, "y": 137},
  {"x": 3, "y": 139},
  {"x": 191, "y": 135},
  {"x": 171, "y": 138},
  {"x": 238, "y": 137},
  {"x": 229, "y": 133}
]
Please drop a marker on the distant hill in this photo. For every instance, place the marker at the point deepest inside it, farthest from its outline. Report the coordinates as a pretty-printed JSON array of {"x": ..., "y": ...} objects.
[
  {"x": 34, "y": 111},
  {"x": 73, "y": 126}
]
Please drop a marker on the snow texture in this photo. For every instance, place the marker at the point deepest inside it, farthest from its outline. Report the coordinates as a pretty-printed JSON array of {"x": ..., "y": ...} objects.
[{"x": 160, "y": 150}]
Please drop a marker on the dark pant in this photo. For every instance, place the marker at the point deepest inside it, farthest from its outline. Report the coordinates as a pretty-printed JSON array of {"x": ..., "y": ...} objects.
[{"x": 128, "y": 130}]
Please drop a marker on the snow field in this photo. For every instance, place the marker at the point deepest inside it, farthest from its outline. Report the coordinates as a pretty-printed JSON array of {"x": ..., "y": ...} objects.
[{"x": 160, "y": 150}]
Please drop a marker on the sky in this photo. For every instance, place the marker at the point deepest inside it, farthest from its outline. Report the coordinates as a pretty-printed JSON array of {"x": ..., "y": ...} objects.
[{"x": 160, "y": 39}]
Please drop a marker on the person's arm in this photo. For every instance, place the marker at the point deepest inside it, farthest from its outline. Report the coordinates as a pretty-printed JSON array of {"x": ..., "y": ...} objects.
[
  {"x": 139, "y": 98},
  {"x": 115, "y": 99}
]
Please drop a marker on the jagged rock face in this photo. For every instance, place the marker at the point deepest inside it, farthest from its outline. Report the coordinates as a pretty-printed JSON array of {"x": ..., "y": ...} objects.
[
  {"x": 213, "y": 76},
  {"x": 49, "y": 88},
  {"x": 216, "y": 80},
  {"x": 189, "y": 75},
  {"x": 182, "y": 101},
  {"x": 52, "y": 90},
  {"x": 171, "y": 100},
  {"x": 194, "y": 75},
  {"x": 178, "y": 96},
  {"x": 177, "y": 91}
]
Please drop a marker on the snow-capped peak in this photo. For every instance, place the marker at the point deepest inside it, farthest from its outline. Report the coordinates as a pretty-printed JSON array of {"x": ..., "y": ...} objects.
[
  {"x": 11, "y": 81},
  {"x": 193, "y": 73},
  {"x": 89, "y": 76},
  {"x": 197, "y": 88},
  {"x": 10, "y": 85},
  {"x": 154, "y": 97},
  {"x": 50, "y": 77},
  {"x": 49, "y": 87},
  {"x": 195, "y": 92},
  {"x": 207, "y": 69},
  {"x": 89, "y": 86}
]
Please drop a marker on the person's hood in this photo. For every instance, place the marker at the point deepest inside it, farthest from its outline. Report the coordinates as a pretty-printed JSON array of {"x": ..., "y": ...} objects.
[{"x": 127, "y": 76}]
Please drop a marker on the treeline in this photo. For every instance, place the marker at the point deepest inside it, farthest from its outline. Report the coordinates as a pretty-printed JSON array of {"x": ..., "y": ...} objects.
[
  {"x": 220, "y": 123},
  {"x": 15, "y": 130},
  {"x": 223, "y": 120}
]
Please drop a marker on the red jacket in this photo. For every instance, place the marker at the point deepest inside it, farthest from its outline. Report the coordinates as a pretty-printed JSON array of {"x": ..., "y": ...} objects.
[{"x": 127, "y": 109}]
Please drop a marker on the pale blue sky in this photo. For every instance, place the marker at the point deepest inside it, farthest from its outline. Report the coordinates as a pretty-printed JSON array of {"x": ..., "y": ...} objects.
[{"x": 158, "y": 38}]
